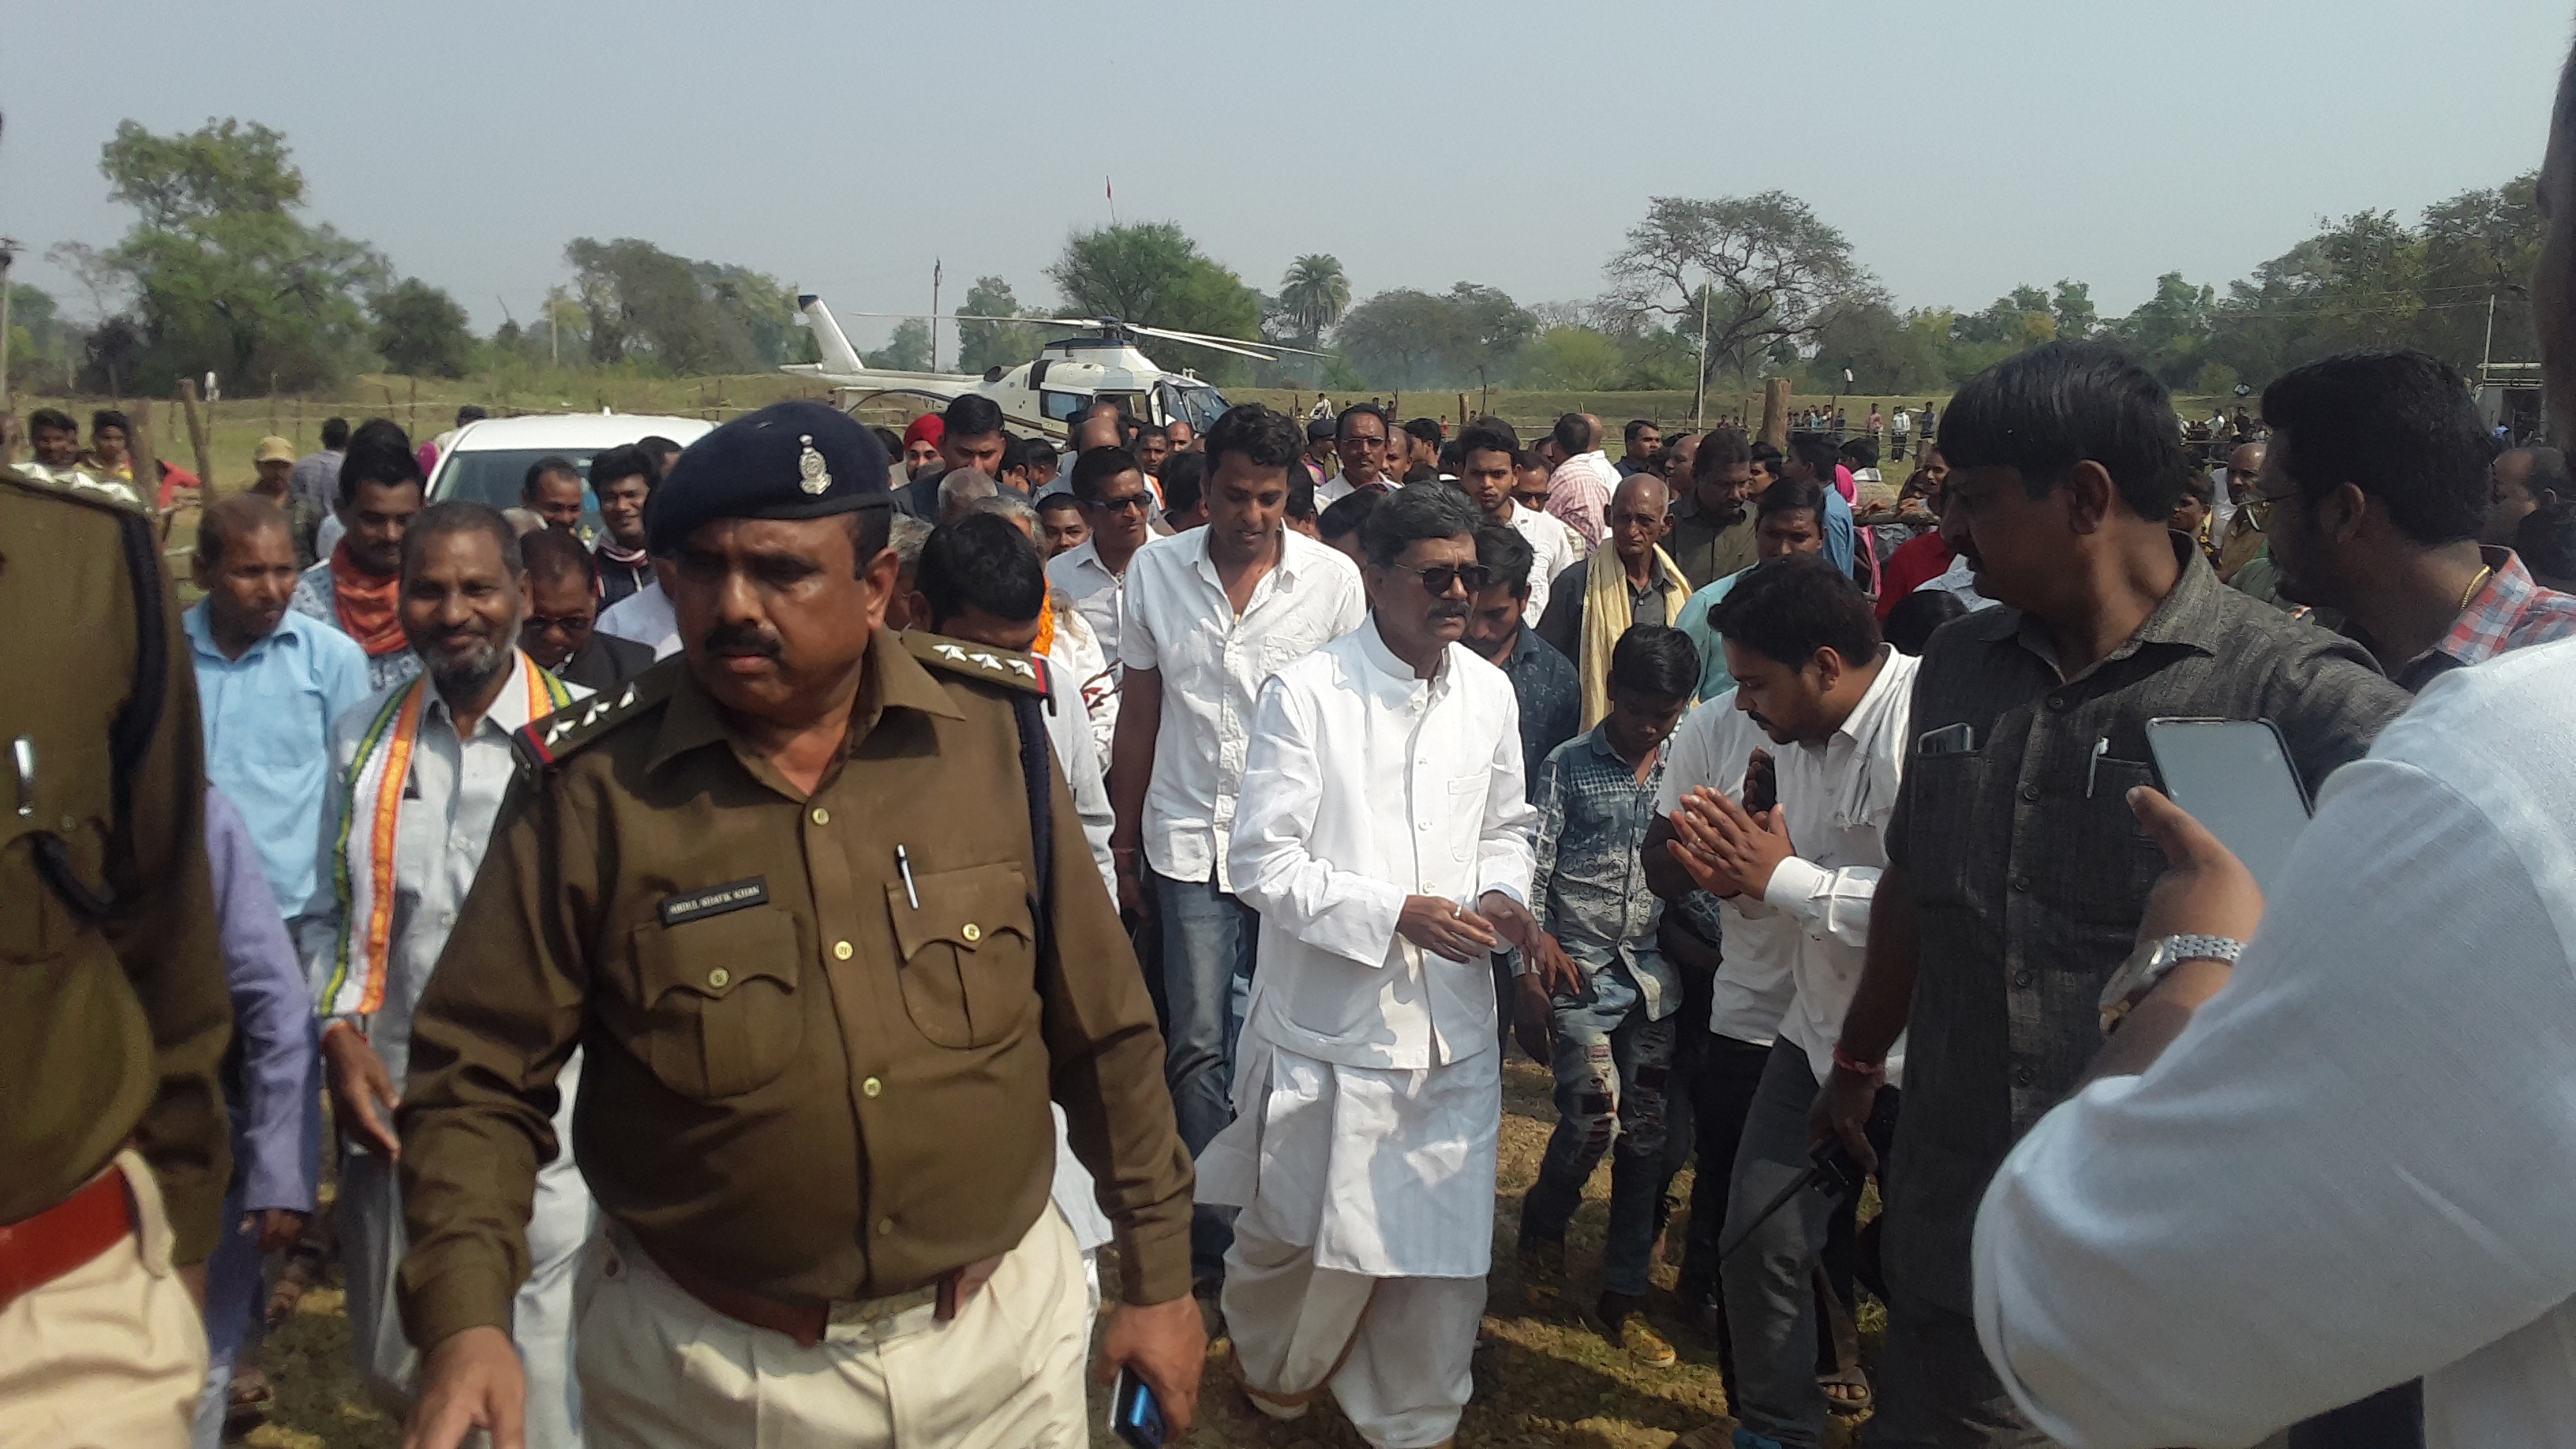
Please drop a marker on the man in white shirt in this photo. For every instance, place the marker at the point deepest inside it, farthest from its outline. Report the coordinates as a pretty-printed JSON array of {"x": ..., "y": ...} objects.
[
  {"x": 1715, "y": 748},
  {"x": 1361, "y": 435},
  {"x": 1118, "y": 505},
  {"x": 431, "y": 758},
  {"x": 644, "y": 616},
  {"x": 1803, "y": 644},
  {"x": 1210, "y": 614},
  {"x": 1486, "y": 457},
  {"x": 1578, "y": 492},
  {"x": 1385, "y": 839}
]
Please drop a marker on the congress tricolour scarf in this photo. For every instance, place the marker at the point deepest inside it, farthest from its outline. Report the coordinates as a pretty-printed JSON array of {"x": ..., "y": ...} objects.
[{"x": 362, "y": 858}]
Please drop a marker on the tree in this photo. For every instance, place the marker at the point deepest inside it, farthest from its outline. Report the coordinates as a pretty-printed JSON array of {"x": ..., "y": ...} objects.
[
  {"x": 2073, "y": 309},
  {"x": 1152, "y": 273},
  {"x": 682, "y": 316},
  {"x": 908, "y": 350},
  {"x": 1883, "y": 353},
  {"x": 985, "y": 345},
  {"x": 1314, "y": 294},
  {"x": 1576, "y": 359},
  {"x": 223, "y": 274},
  {"x": 1410, "y": 338},
  {"x": 2171, "y": 330},
  {"x": 420, "y": 330},
  {"x": 1765, "y": 266}
]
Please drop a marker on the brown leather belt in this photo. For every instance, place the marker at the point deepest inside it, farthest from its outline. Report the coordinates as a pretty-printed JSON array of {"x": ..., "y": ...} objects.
[
  {"x": 807, "y": 1322},
  {"x": 68, "y": 1235}
]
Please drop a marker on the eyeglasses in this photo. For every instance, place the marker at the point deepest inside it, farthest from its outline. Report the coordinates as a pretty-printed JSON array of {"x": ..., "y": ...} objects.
[
  {"x": 1120, "y": 505},
  {"x": 559, "y": 624},
  {"x": 1437, "y": 579}
]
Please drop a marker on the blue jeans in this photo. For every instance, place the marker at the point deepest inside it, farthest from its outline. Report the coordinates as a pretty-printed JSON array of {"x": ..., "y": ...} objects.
[
  {"x": 1611, "y": 1065},
  {"x": 1208, "y": 939}
]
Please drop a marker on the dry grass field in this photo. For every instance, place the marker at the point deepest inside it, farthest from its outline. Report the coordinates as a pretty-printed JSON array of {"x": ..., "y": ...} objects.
[{"x": 1549, "y": 1380}]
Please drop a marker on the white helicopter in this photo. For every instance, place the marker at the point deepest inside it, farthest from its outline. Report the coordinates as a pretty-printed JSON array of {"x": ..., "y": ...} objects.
[{"x": 1100, "y": 363}]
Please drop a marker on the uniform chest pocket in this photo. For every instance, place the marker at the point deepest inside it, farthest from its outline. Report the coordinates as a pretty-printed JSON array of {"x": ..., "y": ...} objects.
[
  {"x": 69, "y": 805},
  {"x": 968, "y": 957},
  {"x": 720, "y": 1014}
]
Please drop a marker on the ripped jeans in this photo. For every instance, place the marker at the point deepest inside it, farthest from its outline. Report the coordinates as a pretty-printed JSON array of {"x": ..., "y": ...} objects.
[{"x": 1611, "y": 1066}]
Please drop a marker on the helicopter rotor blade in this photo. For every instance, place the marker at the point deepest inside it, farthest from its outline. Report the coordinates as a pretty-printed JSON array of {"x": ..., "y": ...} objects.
[
  {"x": 1214, "y": 344},
  {"x": 1205, "y": 339}
]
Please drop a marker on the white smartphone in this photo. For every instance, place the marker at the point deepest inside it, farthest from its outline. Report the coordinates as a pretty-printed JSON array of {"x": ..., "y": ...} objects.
[{"x": 2234, "y": 776}]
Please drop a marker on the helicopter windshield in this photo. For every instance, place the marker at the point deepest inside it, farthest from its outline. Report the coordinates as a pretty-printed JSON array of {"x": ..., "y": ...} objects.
[{"x": 1196, "y": 403}]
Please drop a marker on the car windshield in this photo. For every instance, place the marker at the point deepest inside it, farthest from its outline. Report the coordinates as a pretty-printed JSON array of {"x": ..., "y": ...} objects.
[
  {"x": 495, "y": 476},
  {"x": 1203, "y": 406}
]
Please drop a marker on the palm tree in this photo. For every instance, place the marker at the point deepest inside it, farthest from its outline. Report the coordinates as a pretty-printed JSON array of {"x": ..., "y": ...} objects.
[{"x": 1315, "y": 293}]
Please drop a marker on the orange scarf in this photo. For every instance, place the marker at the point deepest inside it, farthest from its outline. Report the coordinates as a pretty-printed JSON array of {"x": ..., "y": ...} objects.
[
  {"x": 366, "y": 605},
  {"x": 1046, "y": 630}
]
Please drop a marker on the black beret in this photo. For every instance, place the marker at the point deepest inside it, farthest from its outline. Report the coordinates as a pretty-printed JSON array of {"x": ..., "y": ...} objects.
[{"x": 788, "y": 460}]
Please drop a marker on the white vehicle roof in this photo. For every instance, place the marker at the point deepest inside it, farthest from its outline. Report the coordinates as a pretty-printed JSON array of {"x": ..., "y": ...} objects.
[{"x": 561, "y": 432}]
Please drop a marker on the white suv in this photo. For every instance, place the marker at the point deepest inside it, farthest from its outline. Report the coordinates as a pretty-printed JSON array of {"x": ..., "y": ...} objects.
[{"x": 487, "y": 460}]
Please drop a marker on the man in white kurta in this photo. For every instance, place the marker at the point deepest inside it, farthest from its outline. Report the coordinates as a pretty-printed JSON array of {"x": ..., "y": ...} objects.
[
  {"x": 1384, "y": 836},
  {"x": 437, "y": 816}
]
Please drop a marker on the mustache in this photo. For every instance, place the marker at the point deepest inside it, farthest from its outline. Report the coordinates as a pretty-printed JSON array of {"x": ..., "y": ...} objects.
[{"x": 742, "y": 639}]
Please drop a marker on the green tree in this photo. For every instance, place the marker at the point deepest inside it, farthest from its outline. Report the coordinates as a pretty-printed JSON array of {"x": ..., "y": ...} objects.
[
  {"x": 1152, "y": 273},
  {"x": 1764, "y": 267},
  {"x": 420, "y": 330},
  {"x": 1882, "y": 351},
  {"x": 985, "y": 345},
  {"x": 1577, "y": 359},
  {"x": 683, "y": 317},
  {"x": 1314, "y": 294},
  {"x": 908, "y": 350},
  {"x": 1410, "y": 338},
  {"x": 2073, "y": 309},
  {"x": 2170, "y": 331},
  {"x": 2480, "y": 245},
  {"x": 224, "y": 275}
]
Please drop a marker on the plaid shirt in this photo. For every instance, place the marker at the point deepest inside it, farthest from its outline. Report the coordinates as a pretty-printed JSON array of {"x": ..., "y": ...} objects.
[
  {"x": 2510, "y": 612},
  {"x": 1590, "y": 884}
]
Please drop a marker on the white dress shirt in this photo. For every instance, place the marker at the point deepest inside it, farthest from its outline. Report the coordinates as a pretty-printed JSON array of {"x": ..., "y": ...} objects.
[
  {"x": 1076, "y": 650},
  {"x": 448, "y": 809},
  {"x": 1552, "y": 547},
  {"x": 1367, "y": 785},
  {"x": 644, "y": 616},
  {"x": 1711, "y": 748},
  {"x": 1212, "y": 663},
  {"x": 1836, "y": 797},
  {"x": 2350, "y": 1168},
  {"x": 1068, "y": 727},
  {"x": 1338, "y": 487},
  {"x": 1098, "y": 595}
]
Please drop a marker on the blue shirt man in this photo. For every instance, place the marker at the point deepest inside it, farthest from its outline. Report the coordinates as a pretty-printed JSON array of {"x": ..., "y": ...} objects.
[{"x": 269, "y": 683}]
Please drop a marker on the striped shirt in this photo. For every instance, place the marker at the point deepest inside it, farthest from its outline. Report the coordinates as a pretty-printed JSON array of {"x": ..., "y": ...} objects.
[{"x": 2510, "y": 612}]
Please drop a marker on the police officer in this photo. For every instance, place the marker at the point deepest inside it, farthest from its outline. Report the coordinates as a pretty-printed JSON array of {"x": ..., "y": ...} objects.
[
  {"x": 114, "y": 1151},
  {"x": 828, "y": 955}
]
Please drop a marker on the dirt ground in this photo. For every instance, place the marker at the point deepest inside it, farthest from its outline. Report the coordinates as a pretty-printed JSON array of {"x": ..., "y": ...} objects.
[{"x": 1549, "y": 1379}]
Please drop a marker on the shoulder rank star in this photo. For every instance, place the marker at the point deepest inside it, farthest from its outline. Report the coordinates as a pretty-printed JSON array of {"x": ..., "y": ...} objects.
[
  {"x": 991, "y": 662},
  {"x": 811, "y": 475}
]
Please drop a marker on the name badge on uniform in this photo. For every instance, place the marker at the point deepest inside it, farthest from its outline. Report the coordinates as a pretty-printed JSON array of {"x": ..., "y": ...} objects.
[{"x": 715, "y": 900}]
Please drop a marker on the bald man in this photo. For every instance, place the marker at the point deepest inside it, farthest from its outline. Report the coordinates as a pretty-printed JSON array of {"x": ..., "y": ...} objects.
[
  {"x": 1633, "y": 581},
  {"x": 2239, "y": 520}
]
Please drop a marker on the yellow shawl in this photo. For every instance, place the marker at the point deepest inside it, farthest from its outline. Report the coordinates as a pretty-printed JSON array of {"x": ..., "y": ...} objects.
[{"x": 1607, "y": 615}]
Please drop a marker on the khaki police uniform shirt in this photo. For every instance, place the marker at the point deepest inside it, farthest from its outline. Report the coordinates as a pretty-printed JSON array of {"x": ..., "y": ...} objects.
[
  {"x": 796, "y": 1080},
  {"x": 110, "y": 1027}
]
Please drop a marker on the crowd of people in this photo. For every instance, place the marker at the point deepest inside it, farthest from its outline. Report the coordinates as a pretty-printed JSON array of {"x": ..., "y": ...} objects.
[{"x": 753, "y": 961}]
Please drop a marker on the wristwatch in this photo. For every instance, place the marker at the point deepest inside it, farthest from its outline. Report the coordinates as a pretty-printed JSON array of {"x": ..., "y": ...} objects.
[{"x": 2148, "y": 964}]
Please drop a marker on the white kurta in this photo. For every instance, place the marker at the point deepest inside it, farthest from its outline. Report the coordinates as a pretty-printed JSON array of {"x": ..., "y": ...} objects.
[{"x": 1369, "y": 1095}]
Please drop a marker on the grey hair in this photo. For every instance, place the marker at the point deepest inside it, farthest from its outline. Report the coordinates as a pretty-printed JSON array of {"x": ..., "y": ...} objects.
[
  {"x": 906, "y": 537},
  {"x": 1009, "y": 503},
  {"x": 960, "y": 488}
]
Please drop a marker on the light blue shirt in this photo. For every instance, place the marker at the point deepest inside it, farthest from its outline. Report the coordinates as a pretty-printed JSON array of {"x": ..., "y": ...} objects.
[
  {"x": 267, "y": 717},
  {"x": 1714, "y": 677},
  {"x": 1839, "y": 542}
]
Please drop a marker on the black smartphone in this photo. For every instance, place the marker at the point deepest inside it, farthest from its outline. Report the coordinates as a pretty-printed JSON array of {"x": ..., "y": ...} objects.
[
  {"x": 1135, "y": 1415},
  {"x": 2235, "y": 777}
]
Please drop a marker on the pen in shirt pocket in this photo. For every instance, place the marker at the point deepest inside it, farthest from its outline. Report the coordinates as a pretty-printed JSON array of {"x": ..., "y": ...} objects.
[{"x": 2093, "y": 767}]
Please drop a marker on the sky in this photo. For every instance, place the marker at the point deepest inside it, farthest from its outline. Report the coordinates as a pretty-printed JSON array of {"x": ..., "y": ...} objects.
[{"x": 846, "y": 147}]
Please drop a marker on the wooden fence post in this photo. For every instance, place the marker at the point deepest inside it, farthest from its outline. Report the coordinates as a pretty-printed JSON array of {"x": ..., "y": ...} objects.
[
  {"x": 197, "y": 440},
  {"x": 1775, "y": 411}
]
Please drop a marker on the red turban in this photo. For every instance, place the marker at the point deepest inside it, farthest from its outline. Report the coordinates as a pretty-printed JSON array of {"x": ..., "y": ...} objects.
[{"x": 928, "y": 428}]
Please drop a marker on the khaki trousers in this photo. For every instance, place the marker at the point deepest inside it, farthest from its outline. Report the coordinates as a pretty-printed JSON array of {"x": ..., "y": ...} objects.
[
  {"x": 660, "y": 1370},
  {"x": 111, "y": 1355}
]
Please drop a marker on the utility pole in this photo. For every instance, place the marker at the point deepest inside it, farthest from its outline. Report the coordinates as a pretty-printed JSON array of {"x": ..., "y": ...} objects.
[
  {"x": 8, "y": 255},
  {"x": 934, "y": 314},
  {"x": 1699, "y": 396},
  {"x": 2486, "y": 352}
]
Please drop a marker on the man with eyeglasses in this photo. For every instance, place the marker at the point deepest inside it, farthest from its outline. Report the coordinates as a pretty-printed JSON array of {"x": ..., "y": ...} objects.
[
  {"x": 1386, "y": 840},
  {"x": 1116, "y": 504},
  {"x": 1360, "y": 437},
  {"x": 1208, "y": 615},
  {"x": 563, "y": 610}
]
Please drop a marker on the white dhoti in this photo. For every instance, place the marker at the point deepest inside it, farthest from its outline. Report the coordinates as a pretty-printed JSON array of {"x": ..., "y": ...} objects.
[
  {"x": 561, "y": 1219},
  {"x": 1359, "y": 1257}
]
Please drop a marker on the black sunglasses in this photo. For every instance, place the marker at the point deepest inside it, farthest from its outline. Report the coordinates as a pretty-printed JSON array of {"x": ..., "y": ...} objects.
[
  {"x": 1121, "y": 505},
  {"x": 1437, "y": 578}
]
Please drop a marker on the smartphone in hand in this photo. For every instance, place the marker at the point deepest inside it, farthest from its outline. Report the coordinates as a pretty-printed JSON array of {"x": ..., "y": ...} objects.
[{"x": 1135, "y": 1415}]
